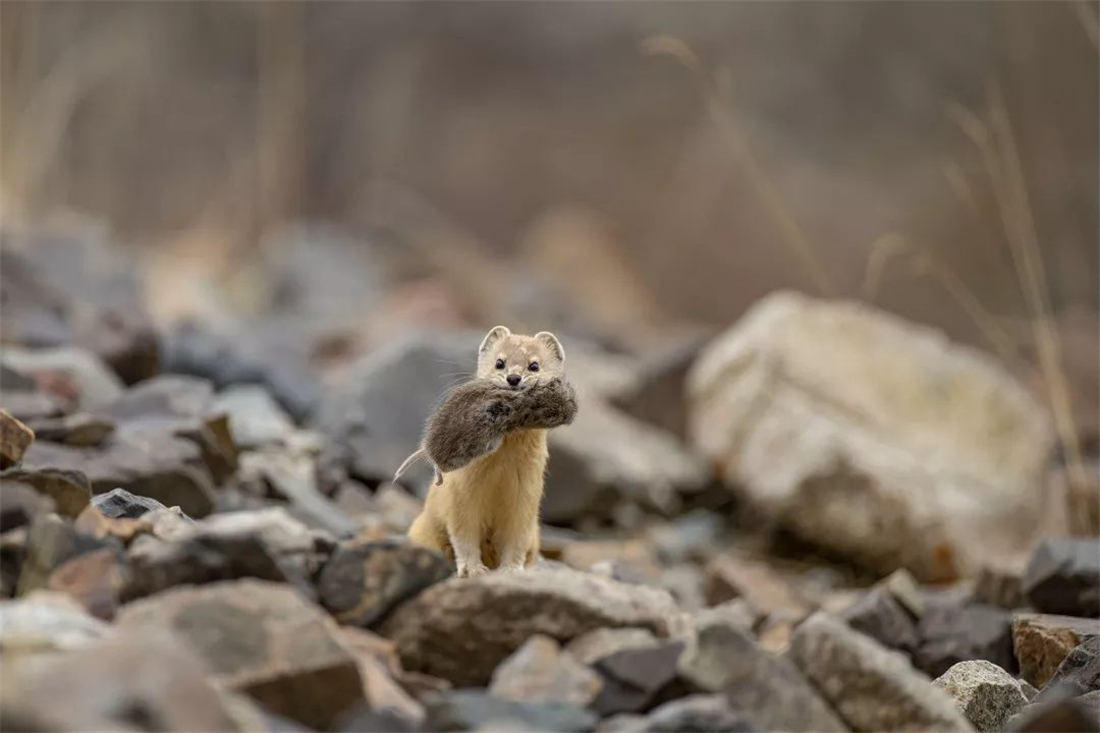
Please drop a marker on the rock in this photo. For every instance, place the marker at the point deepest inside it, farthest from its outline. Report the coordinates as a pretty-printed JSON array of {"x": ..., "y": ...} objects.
[
  {"x": 284, "y": 651},
  {"x": 766, "y": 689},
  {"x": 267, "y": 544},
  {"x": 462, "y": 629},
  {"x": 240, "y": 358},
  {"x": 986, "y": 694},
  {"x": 30, "y": 406},
  {"x": 134, "y": 682},
  {"x": 658, "y": 395},
  {"x": 292, "y": 476},
  {"x": 397, "y": 507},
  {"x": 375, "y": 417},
  {"x": 690, "y": 536},
  {"x": 950, "y": 633},
  {"x": 605, "y": 454},
  {"x": 692, "y": 713},
  {"x": 632, "y": 678},
  {"x": 1063, "y": 577},
  {"x": 76, "y": 375},
  {"x": 731, "y": 575},
  {"x": 871, "y": 687},
  {"x": 461, "y": 710},
  {"x": 539, "y": 671},
  {"x": 685, "y": 582},
  {"x": 599, "y": 643},
  {"x": 14, "y": 439},
  {"x": 363, "y": 581},
  {"x": 1000, "y": 585},
  {"x": 1068, "y": 715},
  {"x": 851, "y": 428},
  {"x": 904, "y": 588},
  {"x": 627, "y": 553},
  {"x": 121, "y": 503},
  {"x": 883, "y": 619},
  {"x": 1079, "y": 672},
  {"x": 20, "y": 503},
  {"x": 1042, "y": 641},
  {"x": 50, "y": 542},
  {"x": 94, "y": 579},
  {"x": 69, "y": 490},
  {"x": 737, "y": 613},
  {"x": 379, "y": 688},
  {"x": 255, "y": 419},
  {"x": 46, "y": 622},
  {"x": 79, "y": 429}
]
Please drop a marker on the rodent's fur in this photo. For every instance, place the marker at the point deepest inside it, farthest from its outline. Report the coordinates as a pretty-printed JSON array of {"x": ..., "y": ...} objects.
[{"x": 484, "y": 514}]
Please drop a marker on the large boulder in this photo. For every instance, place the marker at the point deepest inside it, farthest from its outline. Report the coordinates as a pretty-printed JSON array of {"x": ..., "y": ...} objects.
[
  {"x": 986, "y": 694},
  {"x": 263, "y": 639},
  {"x": 462, "y": 629},
  {"x": 873, "y": 688},
  {"x": 854, "y": 430}
]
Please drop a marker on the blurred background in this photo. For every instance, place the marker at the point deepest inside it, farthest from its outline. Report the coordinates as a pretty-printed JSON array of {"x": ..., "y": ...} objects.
[{"x": 826, "y": 275}]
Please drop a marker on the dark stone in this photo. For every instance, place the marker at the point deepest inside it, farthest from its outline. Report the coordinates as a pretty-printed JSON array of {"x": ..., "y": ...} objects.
[
  {"x": 766, "y": 689},
  {"x": 363, "y": 581},
  {"x": 79, "y": 429},
  {"x": 1063, "y": 712},
  {"x": 659, "y": 396},
  {"x": 1078, "y": 674},
  {"x": 881, "y": 617},
  {"x": 1064, "y": 577},
  {"x": 1042, "y": 641},
  {"x": 950, "y": 633},
  {"x": 697, "y": 714},
  {"x": 633, "y": 677},
  {"x": 121, "y": 503},
  {"x": 365, "y": 720},
  {"x": 462, "y": 710}
]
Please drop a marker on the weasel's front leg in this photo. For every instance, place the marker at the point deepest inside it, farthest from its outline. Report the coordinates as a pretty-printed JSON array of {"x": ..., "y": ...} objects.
[
  {"x": 465, "y": 537},
  {"x": 514, "y": 541}
]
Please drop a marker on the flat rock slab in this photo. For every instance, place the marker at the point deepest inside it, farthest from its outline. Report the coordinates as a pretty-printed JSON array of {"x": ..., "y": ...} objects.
[
  {"x": 872, "y": 687},
  {"x": 1042, "y": 641},
  {"x": 263, "y": 639},
  {"x": 462, "y": 629},
  {"x": 986, "y": 694},
  {"x": 363, "y": 581}
]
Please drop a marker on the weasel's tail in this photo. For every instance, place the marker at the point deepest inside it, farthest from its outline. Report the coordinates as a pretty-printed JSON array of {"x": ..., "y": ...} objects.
[{"x": 408, "y": 462}]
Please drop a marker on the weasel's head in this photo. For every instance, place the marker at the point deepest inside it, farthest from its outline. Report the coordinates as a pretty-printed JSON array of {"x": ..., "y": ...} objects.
[{"x": 515, "y": 360}]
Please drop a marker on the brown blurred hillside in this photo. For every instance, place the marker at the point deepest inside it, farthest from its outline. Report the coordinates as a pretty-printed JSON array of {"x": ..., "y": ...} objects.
[{"x": 522, "y": 128}]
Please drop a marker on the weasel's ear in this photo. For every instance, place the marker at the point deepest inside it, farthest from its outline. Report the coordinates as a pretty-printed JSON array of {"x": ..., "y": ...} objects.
[
  {"x": 496, "y": 333},
  {"x": 550, "y": 341}
]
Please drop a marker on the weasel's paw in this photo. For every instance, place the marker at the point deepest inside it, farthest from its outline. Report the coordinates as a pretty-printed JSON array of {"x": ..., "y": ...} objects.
[
  {"x": 471, "y": 570},
  {"x": 517, "y": 567}
]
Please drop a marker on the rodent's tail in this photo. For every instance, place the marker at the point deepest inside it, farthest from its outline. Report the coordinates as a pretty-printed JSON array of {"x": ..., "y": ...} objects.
[{"x": 416, "y": 456}]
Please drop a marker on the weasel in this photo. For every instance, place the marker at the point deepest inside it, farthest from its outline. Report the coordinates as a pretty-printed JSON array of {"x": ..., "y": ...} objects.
[{"x": 484, "y": 514}]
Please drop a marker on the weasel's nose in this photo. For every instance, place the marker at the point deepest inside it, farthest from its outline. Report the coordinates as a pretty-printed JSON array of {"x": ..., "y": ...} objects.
[{"x": 513, "y": 379}]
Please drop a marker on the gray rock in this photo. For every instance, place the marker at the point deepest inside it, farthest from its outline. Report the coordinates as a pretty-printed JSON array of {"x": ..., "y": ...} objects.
[
  {"x": 950, "y": 633},
  {"x": 462, "y": 629},
  {"x": 766, "y": 689},
  {"x": 1042, "y": 641},
  {"x": 121, "y": 503},
  {"x": 599, "y": 643},
  {"x": 292, "y": 475},
  {"x": 93, "y": 579},
  {"x": 263, "y": 639},
  {"x": 872, "y": 687},
  {"x": 658, "y": 395},
  {"x": 123, "y": 683},
  {"x": 687, "y": 537},
  {"x": 90, "y": 378},
  {"x": 879, "y": 616},
  {"x": 52, "y": 541},
  {"x": 696, "y": 714},
  {"x": 79, "y": 429},
  {"x": 1064, "y": 713},
  {"x": 633, "y": 677},
  {"x": 266, "y": 544},
  {"x": 363, "y": 581},
  {"x": 1063, "y": 577},
  {"x": 539, "y": 671},
  {"x": 986, "y": 694},
  {"x": 1078, "y": 674},
  {"x": 835, "y": 419},
  {"x": 255, "y": 419},
  {"x": 462, "y": 710},
  {"x": 20, "y": 503}
]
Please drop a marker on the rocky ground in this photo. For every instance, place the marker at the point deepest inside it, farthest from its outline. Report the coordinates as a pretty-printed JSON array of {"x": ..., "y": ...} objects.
[{"x": 822, "y": 518}]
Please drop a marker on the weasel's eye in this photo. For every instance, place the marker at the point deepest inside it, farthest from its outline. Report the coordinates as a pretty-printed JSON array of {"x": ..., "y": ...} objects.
[
  {"x": 500, "y": 363},
  {"x": 533, "y": 366}
]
